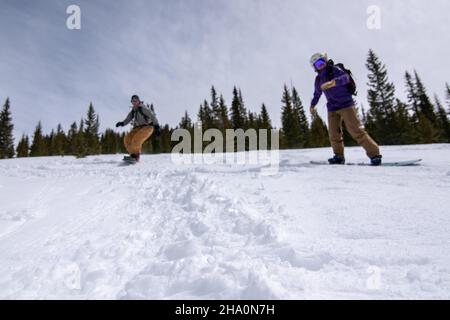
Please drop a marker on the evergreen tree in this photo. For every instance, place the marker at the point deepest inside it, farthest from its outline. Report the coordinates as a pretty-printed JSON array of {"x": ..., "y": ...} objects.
[
  {"x": 426, "y": 131},
  {"x": 91, "y": 137},
  {"x": 238, "y": 112},
  {"x": 59, "y": 142},
  {"x": 80, "y": 142},
  {"x": 71, "y": 139},
  {"x": 442, "y": 121},
  {"x": 264, "y": 122},
  {"x": 186, "y": 122},
  {"x": 413, "y": 100},
  {"x": 38, "y": 146},
  {"x": 110, "y": 142},
  {"x": 166, "y": 143},
  {"x": 23, "y": 148},
  {"x": 402, "y": 125},
  {"x": 224, "y": 121},
  {"x": 252, "y": 121},
  {"x": 318, "y": 133},
  {"x": 6, "y": 132},
  {"x": 425, "y": 106},
  {"x": 381, "y": 98},
  {"x": 50, "y": 143},
  {"x": 215, "y": 108},
  {"x": 290, "y": 122},
  {"x": 205, "y": 116},
  {"x": 300, "y": 117}
]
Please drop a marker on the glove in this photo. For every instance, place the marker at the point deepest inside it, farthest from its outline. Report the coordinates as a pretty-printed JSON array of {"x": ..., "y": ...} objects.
[
  {"x": 157, "y": 130},
  {"x": 119, "y": 124},
  {"x": 328, "y": 85}
]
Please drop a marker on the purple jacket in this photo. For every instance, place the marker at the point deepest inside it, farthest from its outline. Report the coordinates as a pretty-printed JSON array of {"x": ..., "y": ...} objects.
[{"x": 338, "y": 97}]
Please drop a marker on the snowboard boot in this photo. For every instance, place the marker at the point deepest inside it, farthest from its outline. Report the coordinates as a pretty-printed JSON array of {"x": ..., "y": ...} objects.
[
  {"x": 337, "y": 160},
  {"x": 136, "y": 156},
  {"x": 376, "y": 161}
]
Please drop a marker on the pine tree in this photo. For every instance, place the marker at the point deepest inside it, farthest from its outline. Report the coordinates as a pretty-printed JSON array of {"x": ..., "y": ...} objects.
[
  {"x": 318, "y": 133},
  {"x": 186, "y": 122},
  {"x": 425, "y": 106},
  {"x": 50, "y": 143},
  {"x": 252, "y": 120},
  {"x": 6, "y": 132},
  {"x": 426, "y": 131},
  {"x": 290, "y": 122},
  {"x": 224, "y": 121},
  {"x": 238, "y": 113},
  {"x": 38, "y": 146},
  {"x": 243, "y": 109},
  {"x": 59, "y": 142},
  {"x": 402, "y": 125},
  {"x": 166, "y": 143},
  {"x": 71, "y": 139},
  {"x": 109, "y": 142},
  {"x": 381, "y": 98},
  {"x": 300, "y": 117},
  {"x": 215, "y": 108},
  {"x": 23, "y": 148},
  {"x": 413, "y": 100},
  {"x": 80, "y": 142},
  {"x": 205, "y": 116},
  {"x": 264, "y": 123},
  {"x": 442, "y": 121},
  {"x": 92, "y": 124}
]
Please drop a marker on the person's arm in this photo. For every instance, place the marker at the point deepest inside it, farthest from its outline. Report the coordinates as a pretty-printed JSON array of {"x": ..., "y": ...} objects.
[
  {"x": 128, "y": 118},
  {"x": 317, "y": 93},
  {"x": 126, "y": 121},
  {"x": 341, "y": 79}
]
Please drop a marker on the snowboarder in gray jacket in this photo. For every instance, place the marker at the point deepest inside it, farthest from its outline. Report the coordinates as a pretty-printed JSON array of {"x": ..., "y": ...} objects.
[{"x": 144, "y": 124}]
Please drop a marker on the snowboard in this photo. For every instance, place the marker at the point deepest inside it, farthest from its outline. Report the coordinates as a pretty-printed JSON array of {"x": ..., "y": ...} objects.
[
  {"x": 404, "y": 163},
  {"x": 128, "y": 161}
]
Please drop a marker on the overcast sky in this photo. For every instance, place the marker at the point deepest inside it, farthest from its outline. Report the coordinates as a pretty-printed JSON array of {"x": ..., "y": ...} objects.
[{"x": 170, "y": 52}]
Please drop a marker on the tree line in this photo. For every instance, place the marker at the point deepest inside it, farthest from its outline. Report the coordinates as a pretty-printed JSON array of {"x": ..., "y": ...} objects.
[{"x": 389, "y": 121}]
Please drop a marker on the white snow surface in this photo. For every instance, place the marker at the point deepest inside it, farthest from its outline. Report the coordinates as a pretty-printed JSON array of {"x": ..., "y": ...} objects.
[{"x": 92, "y": 229}]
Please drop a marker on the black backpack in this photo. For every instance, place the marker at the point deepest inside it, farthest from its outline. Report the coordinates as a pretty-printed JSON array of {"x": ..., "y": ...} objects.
[{"x": 351, "y": 86}]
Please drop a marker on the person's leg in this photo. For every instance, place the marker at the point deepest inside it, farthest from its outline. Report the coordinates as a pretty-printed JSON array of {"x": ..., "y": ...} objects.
[
  {"x": 128, "y": 138},
  {"x": 139, "y": 138},
  {"x": 335, "y": 133},
  {"x": 357, "y": 131}
]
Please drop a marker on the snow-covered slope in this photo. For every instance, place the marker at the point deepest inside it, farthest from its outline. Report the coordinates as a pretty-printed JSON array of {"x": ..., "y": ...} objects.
[{"x": 90, "y": 228}]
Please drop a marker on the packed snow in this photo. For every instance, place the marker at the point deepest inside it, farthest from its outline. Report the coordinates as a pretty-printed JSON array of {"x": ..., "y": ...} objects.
[{"x": 94, "y": 229}]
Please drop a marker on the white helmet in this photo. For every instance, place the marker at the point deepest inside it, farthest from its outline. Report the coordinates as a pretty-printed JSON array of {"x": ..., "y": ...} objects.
[{"x": 317, "y": 56}]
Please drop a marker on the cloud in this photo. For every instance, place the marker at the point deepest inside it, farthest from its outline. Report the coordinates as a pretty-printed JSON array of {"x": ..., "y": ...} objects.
[{"x": 171, "y": 52}]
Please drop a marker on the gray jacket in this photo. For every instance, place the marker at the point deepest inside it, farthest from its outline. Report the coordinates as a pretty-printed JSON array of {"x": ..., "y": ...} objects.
[{"x": 141, "y": 116}]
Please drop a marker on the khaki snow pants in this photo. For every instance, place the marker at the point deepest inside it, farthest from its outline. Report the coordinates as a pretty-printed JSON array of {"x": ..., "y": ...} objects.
[
  {"x": 136, "y": 138},
  {"x": 354, "y": 127}
]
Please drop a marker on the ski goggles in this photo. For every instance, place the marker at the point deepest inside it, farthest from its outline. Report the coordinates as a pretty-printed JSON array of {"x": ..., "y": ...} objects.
[{"x": 319, "y": 63}]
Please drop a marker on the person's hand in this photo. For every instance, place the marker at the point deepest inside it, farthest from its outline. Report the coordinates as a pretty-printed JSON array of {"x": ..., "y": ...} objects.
[
  {"x": 119, "y": 124},
  {"x": 157, "y": 130},
  {"x": 328, "y": 85},
  {"x": 313, "y": 110}
]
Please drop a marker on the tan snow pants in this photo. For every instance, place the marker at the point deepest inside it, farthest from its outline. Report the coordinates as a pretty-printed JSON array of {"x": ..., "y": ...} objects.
[
  {"x": 354, "y": 127},
  {"x": 136, "y": 138}
]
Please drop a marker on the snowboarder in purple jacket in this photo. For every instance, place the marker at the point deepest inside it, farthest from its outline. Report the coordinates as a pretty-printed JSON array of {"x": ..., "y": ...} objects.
[{"x": 334, "y": 82}]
